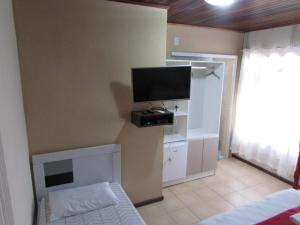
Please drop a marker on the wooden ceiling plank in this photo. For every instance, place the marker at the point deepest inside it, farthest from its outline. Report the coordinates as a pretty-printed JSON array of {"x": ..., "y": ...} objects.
[{"x": 244, "y": 15}]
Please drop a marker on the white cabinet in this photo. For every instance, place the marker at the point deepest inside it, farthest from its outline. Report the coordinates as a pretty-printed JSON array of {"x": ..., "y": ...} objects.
[
  {"x": 197, "y": 122},
  {"x": 201, "y": 156},
  {"x": 210, "y": 153},
  {"x": 174, "y": 168},
  {"x": 189, "y": 160},
  {"x": 194, "y": 156}
]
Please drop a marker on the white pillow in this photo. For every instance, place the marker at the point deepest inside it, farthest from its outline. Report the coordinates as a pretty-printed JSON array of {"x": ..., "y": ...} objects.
[{"x": 70, "y": 202}]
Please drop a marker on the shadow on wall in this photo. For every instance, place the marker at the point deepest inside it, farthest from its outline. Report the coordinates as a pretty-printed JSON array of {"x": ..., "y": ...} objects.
[
  {"x": 123, "y": 98},
  {"x": 141, "y": 149}
]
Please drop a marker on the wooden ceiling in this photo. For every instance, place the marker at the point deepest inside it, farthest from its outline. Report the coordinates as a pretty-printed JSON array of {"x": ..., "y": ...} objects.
[{"x": 244, "y": 15}]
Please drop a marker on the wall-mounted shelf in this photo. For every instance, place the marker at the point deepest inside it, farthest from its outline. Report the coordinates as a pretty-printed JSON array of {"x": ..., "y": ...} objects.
[
  {"x": 201, "y": 133},
  {"x": 151, "y": 118},
  {"x": 168, "y": 138},
  {"x": 179, "y": 113}
]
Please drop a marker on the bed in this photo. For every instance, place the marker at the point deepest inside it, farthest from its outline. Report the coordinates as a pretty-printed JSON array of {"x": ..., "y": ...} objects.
[
  {"x": 259, "y": 211},
  {"x": 77, "y": 168}
]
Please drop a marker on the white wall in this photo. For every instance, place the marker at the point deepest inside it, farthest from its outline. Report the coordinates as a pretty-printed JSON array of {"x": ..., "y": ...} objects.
[
  {"x": 275, "y": 37},
  {"x": 212, "y": 101},
  {"x": 12, "y": 122},
  {"x": 196, "y": 107}
]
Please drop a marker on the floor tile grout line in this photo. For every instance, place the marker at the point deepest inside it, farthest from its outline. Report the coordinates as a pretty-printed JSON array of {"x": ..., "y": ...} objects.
[
  {"x": 186, "y": 207},
  {"x": 222, "y": 177}
]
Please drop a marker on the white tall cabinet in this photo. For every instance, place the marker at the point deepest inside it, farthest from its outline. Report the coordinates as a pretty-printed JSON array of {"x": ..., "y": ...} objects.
[{"x": 191, "y": 144}]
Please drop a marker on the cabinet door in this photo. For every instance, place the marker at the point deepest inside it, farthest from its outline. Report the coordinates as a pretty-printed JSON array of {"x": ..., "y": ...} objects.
[
  {"x": 174, "y": 167},
  {"x": 210, "y": 153},
  {"x": 194, "y": 158}
]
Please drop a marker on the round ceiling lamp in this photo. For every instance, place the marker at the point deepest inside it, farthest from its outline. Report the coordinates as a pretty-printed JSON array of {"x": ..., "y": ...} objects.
[{"x": 220, "y": 2}]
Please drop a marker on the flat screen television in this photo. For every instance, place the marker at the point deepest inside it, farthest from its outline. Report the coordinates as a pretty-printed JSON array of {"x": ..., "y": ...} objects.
[{"x": 161, "y": 83}]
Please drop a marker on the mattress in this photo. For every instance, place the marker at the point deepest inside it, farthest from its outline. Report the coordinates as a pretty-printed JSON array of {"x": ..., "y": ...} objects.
[
  {"x": 258, "y": 211},
  {"x": 124, "y": 213}
]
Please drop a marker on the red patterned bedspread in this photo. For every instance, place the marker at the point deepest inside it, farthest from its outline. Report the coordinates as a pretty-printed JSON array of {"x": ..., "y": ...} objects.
[{"x": 282, "y": 218}]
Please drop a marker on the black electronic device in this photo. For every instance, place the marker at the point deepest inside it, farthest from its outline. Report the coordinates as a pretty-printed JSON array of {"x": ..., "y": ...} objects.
[{"x": 147, "y": 118}]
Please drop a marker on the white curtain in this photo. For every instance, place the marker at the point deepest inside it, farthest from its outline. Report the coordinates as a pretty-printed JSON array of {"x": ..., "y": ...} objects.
[{"x": 267, "y": 126}]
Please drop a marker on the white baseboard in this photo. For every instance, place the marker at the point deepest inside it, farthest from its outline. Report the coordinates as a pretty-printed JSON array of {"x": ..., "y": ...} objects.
[
  {"x": 173, "y": 182},
  {"x": 200, "y": 175},
  {"x": 189, "y": 178}
]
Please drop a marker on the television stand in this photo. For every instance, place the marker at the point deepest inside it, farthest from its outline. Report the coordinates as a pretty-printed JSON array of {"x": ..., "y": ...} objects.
[{"x": 152, "y": 117}]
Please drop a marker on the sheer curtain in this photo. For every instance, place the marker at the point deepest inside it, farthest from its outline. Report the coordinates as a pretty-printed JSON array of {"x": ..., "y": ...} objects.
[{"x": 267, "y": 126}]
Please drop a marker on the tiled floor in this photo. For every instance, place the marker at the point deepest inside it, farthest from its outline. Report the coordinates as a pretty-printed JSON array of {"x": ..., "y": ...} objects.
[{"x": 234, "y": 184}]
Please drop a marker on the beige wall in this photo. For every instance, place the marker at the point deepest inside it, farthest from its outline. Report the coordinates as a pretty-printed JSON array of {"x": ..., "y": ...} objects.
[
  {"x": 204, "y": 40},
  {"x": 279, "y": 37},
  {"x": 75, "y": 59},
  {"x": 12, "y": 124}
]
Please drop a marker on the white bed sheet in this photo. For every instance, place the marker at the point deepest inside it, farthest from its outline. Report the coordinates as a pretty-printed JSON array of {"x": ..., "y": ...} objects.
[
  {"x": 257, "y": 211},
  {"x": 124, "y": 213}
]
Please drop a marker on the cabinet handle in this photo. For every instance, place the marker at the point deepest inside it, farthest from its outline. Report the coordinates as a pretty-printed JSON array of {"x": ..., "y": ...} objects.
[{"x": 175, "y": 150}]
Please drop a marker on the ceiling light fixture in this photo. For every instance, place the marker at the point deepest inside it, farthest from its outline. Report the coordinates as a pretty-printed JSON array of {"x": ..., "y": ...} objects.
[{"x": 220, "y": 2}]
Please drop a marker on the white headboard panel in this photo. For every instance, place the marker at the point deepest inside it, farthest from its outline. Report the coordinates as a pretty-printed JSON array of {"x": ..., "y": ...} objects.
[{"x": 73, "y": 168}]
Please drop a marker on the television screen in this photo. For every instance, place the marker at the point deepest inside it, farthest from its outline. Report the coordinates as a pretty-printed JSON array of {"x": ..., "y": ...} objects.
[{"x": 161, "y": 83}]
